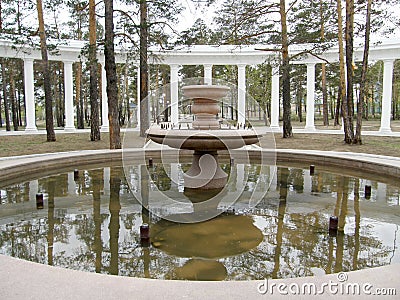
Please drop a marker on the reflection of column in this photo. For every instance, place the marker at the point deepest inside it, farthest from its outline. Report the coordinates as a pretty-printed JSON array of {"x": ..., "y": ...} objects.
[
  {"x": 29, "y": 96},
  {"x": 174, "y": 94},
  {"x": 240, "y": 176},
  {"x": 275, "y": 98},
  {"x": 104, "y": 101},
  {"x": 381, "y": 192},
  {"x": 307, "y": 182},
  {"x": 144, "y": 192},
  {"x": 387, "y": 96},
  {"x": 241, "y": 93},
  {"x": 207, "y": 74},
  {"x": 51, "y": 221},
  {"x": 106, "y": 179},
  {"x": 69, "y": 97},
  {"x": 357, "y": 220},
  {"x": 310, "y": 96},
  {"x": 273, "y": 177},
  {"x": 33, "y": 189},
  {"x": 71, "y": 184},
  {"x": 113, "y": 227},
  {"x": 138, "y": 95},
  {"x": 174, "y": 174}
]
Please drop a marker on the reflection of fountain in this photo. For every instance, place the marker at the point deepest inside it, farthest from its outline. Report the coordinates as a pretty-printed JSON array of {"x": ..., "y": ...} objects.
[
  {"x": 206, "y": 137},
  {"x": 206, "y": 242}
]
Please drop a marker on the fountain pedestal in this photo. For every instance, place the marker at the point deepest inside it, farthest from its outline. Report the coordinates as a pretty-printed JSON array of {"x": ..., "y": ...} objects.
[
  {"x": 205, "y": 138},
  {"x": 205, "y": 172}
]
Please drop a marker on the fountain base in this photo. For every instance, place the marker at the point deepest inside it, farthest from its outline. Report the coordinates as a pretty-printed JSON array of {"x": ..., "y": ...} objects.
[{"x": 205, "y": 172}]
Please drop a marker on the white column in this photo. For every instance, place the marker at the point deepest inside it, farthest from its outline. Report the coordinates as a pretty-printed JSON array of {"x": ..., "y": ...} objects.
[
  {"x": 29, "y": 96},
  {"x": 138, "y": 95},
  {"x": 104, "y": 102},
  {"x": 275, "y": 98},
  {"x": 387, "y": 96},
  {"x": 207, "y": 74},
  {"x": 241, "y": 93},
  {"x": 68, "y": 97},
  {"x": 310, "y": 96},
  {"x": 174, "y": 94}
]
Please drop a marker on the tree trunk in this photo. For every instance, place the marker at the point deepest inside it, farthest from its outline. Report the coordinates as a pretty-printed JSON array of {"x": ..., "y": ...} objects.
[
  {"x": 348, "y": 104},
  {"x": 51, "y": 136},
  {"x": 360, "y": 104},
  {"x": 5, "y": 96},
  {"x": 287, "y": 125},
  {"x": 14, "y": 108},
  {"x": 111, "y": 75},
  {"x": 94, "y": 97},
  {"x": 325, "y": 112},
  {"x": 144, "y": 75},
  {"x": 79, "y": 96}
]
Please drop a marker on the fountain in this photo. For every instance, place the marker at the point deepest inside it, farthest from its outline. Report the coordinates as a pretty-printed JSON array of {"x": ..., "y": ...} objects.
[{"x": 206, "y": 137}]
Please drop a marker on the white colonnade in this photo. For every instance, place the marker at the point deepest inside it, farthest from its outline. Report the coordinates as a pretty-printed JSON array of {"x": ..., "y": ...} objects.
[{"x": 207, "y": 56}]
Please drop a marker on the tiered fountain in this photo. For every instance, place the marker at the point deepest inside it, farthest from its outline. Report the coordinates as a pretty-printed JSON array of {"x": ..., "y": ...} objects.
[{"x": 205, "y": 137}]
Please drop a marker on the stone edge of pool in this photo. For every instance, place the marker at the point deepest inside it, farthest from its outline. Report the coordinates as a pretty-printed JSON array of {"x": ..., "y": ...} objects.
[{"x": 21, "y": 279}]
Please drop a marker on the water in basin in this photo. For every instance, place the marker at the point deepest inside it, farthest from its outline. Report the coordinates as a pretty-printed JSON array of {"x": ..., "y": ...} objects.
[{"x": 92, "y": 222}]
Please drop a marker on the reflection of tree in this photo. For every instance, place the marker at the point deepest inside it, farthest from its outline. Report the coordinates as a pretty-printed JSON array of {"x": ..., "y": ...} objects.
[
  {"x": 283, "y": 187},
  {"x": 159, "y": 177},
  {"x": 97, "y": 180},
  {"x": 113, "y": 227},
  {"x": 296, "y": 178}
]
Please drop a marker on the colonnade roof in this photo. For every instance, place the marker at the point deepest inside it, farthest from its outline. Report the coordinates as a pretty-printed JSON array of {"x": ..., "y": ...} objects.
[{"x": 70, "y": 50}]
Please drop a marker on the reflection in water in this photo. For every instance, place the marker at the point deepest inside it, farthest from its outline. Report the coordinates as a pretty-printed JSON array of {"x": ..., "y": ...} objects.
[
  {"x": 199, "y": 269},
  {"x": 93, "y": 224}
]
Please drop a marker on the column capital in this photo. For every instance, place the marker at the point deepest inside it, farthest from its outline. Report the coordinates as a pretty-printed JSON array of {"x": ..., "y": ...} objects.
[
  {"x": 241, "y": 65},
  {"x": 68, "y": 62},
  {"x": 26, "y": 59},
  {"x": 174, "y": 66},
  {"x": 388, "y": 60}
]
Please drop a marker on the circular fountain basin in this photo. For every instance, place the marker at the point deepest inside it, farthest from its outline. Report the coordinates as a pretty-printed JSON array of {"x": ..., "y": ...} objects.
[{"x": 386, "y": 168}]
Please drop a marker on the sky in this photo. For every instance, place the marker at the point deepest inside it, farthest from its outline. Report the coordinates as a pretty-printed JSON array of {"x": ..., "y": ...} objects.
[{"x": 190, "y": 14}]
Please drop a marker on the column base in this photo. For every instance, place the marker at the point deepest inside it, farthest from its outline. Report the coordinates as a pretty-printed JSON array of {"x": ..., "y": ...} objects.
[
  {"x": 31, "y": 129},
  {"x": 69, "y": 129},
  {"x": 310, "y": 128},
  {"x": 275, "y": 128},
  {"x": 104, "y": 128},
  {"x": 385, "y": 130}
]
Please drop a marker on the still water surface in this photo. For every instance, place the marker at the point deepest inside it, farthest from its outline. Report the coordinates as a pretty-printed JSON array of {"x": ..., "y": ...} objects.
[{"x": 91, "y": 223}]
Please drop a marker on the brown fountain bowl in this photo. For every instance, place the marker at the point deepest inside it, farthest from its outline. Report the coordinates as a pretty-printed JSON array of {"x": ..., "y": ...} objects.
[
  {"x": 214, "y": 92},
  {"x": 203, "y": 141}
]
